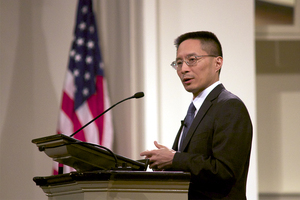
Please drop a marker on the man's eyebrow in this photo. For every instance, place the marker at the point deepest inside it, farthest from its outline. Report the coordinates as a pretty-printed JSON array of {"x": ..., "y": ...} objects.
[{"x": 191, "y": 54}]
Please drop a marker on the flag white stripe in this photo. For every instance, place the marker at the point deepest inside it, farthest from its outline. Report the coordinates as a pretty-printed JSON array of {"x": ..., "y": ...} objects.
[
  {"x": 91, "y": 131},
  {"x": 65, "y": 125},
  {"x": 107, "y": 139},
  {"x": 69, "y": 87},
  {"x": 55, "y": 166}
]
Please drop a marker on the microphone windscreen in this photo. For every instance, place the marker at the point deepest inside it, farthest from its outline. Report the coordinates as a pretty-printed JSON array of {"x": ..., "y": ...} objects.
[{"x": 138, "y": 95}]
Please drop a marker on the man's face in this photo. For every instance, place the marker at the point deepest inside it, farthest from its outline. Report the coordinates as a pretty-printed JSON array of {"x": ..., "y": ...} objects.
[{"x": 204, "y": 73}]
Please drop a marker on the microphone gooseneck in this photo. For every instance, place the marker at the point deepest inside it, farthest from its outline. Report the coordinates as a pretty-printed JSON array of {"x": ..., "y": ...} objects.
[{"x": 136, "y": 95}]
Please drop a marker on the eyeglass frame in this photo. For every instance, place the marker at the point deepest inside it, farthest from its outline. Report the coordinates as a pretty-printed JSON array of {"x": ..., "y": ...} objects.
[{"x": 175, "y": 66}]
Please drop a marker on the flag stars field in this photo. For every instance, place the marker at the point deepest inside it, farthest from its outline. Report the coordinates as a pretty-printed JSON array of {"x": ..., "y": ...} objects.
[
  {"x": 80, "y": 41},
  {"x": 84, "y": 9},
  {"x": 77, "y": 57},
  {"x": 72, "y": 53},
  {"x": 82, "y": 26},
  {"x": 87, "y": 76},
  {"x": 91, "y": 29},
  {"x": 85, "y": 92},
  {"x": 89, "y": 60},
  {"x": 76, "y": 72},
  {"x": 90, "y": 44}
]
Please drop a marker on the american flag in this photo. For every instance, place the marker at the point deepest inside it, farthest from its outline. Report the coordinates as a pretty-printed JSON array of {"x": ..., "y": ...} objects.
[{"x": 85, "y": 93}]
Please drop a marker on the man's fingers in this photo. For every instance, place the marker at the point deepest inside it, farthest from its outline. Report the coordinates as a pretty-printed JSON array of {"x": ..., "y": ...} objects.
[
  {"x": 153, "y": 165},
  {"x": 159, "y": 146},
  {"x": 156, "y": 166},
  {"x": 146, "y": 153}
]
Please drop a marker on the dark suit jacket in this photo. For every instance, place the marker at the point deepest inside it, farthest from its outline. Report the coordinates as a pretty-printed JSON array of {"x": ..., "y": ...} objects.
[{"x": 217, "y": 148}]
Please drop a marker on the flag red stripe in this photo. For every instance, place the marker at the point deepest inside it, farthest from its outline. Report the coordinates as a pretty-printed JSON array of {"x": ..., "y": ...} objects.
[
  {"x": 96, "y": 105},
  {"x": 67, "y": 107}
]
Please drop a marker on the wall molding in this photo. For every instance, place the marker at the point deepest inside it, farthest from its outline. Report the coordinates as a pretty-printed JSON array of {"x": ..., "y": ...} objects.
[{"x": 279, "y": 196}]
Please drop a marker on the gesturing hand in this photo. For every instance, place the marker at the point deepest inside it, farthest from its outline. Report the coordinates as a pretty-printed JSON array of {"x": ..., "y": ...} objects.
[{"x": 160, "y": 158}]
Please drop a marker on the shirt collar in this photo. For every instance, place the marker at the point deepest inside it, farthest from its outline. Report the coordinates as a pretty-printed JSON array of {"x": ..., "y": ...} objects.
[{"x": 198, "y": 101}]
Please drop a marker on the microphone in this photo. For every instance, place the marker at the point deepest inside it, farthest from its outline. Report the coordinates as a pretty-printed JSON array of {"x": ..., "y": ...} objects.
[
  {"x": 136, "y": 95},
  {"x": 183, "y": 124}
]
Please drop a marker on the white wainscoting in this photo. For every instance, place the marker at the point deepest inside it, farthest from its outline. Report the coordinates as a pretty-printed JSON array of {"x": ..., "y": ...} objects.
[{"x": 272, "y": 196}]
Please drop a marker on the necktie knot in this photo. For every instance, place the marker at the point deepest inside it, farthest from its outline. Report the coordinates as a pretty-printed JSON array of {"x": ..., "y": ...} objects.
[
  {"x": 191, "y": 110},
  {"x": 190, "y": 116}
]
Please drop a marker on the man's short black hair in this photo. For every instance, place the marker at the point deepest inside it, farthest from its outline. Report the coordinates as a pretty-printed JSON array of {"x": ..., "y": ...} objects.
[{"x": 209, "y": 41}]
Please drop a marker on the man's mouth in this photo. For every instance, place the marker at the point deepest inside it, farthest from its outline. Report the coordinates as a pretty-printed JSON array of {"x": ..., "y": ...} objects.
[{"x": 186, "y": 79}]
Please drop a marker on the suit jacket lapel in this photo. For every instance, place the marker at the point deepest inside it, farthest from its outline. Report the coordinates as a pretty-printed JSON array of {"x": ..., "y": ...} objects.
[
  {"x": 201, "y": 113},
  {"x": 175, "y": 144}
]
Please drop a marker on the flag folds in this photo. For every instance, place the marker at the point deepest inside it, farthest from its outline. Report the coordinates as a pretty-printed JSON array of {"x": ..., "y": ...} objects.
[{"x": 85, "y": 93}]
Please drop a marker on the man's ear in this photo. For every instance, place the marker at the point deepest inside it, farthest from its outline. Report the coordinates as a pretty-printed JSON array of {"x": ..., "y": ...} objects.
[{"x": 219, "y": 63}]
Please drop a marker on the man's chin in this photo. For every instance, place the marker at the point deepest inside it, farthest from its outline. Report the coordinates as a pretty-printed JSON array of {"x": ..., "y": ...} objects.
[
  {"x": 188, "y": 89},
  {"x": 195, "y": 92}
]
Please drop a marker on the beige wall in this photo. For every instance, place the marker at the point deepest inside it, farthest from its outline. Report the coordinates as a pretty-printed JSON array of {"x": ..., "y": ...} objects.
[
  {"x": 34, "y": 51},
  {"x": 278, "y": 132},
  {"x": 278, "y": 114},
  {"x": 137, "y": 43},
  {"x": 278, "y": 91}
]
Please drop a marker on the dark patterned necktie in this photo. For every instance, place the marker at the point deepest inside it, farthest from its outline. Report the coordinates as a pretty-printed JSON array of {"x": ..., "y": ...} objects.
[{"x": 187, "y": 123}]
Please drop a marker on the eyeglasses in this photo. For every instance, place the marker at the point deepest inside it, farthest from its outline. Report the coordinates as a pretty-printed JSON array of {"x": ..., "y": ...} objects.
[{"x": 189, "y": 60}]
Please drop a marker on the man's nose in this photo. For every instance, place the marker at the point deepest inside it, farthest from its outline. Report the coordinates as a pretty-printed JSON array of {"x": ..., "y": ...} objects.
[{"x": 184, "y": 67}]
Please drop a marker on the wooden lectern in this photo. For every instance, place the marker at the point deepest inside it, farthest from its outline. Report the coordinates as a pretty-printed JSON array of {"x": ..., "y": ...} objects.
[
  {"x": 101, "y": 174},
  {"x": 113, "y": 184}
]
